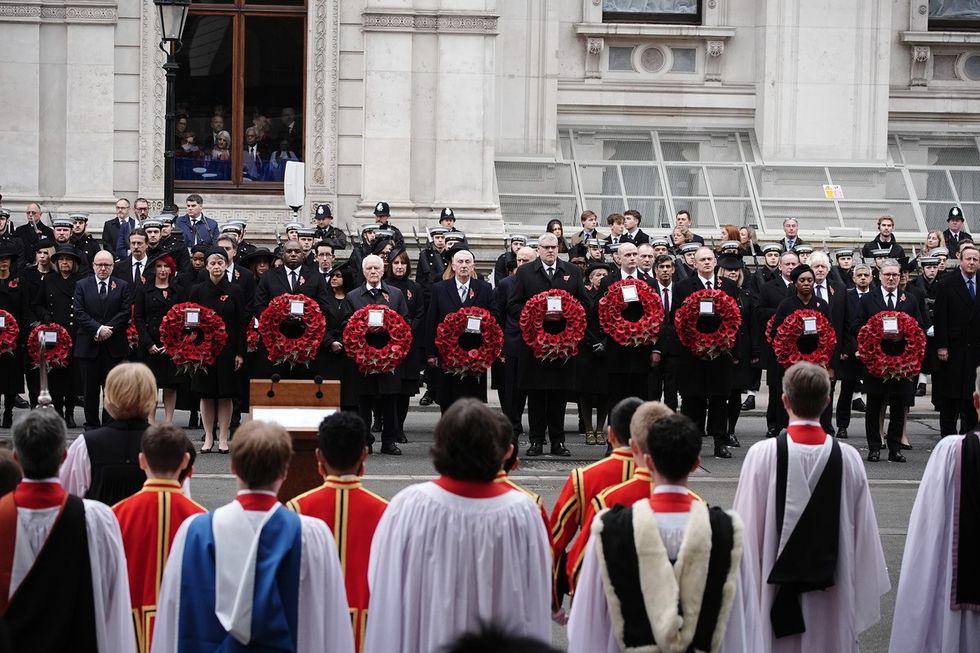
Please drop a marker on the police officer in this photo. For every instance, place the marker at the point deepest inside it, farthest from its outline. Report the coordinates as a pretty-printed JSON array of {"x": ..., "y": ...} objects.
[
  {"x": 325, "y": 231},
  {"x": 431, "y": 263},
  {"x": 381, "y": 214},
  {"x": 82, "y": 240},
  {"x": 843, "y": 272}
]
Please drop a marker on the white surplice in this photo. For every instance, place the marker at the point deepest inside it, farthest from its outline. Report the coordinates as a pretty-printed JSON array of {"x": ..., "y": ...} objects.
[
  {"x": 924, "y": 620},
  {"x": 441, "y": 564},
  {"x": 323, "y": 620},
  {"x": 836, "y": 616},
  {"x": 107, "y": 560},
  {"x": 590, "y": 628},
  {"x": 76, "y": 471}
]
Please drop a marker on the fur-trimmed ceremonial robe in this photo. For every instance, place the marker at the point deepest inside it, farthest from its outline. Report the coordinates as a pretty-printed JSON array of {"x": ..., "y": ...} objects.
[
  {"x": 63, "y": 583},
  {"x": 936, "y": 608},
  {"x": 253, "y": 576},
  {"x": 352, "y": 513},
  {"x": 666, "y": 575},
  {"x": 451, "y": 555},
  {"x": 149, "y": 521},
  {"x": 849, "y": 601}
]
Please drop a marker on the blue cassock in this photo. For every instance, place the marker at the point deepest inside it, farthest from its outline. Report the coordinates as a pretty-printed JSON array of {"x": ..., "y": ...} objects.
[{"x": 275, "y": 596}]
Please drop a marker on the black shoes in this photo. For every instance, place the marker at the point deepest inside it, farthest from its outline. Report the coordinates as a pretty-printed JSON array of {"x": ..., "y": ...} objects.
[
  {"x": 20, "y": 402},
  {"x": 560, "y": 450},
  {"x": 874, "y": 456},
  {"x": 376, "y": 426},
  {"x": 842, "y": 433},
  {"x": 536, "y": 449},
  {"x": 733, "y": 441},
  {"x": 8, "y": 421},
  {"x": 920, "y": 390},
  {"x": 771, "y": 433},
  {"x": 896, "y": 457},
  {"x": 858, "y": 405},
  {"x": 402, "y": 439},
  {"x": 70, "y": 421},
  {"x": 391, "y": 449},
  {"x": 426, "y": 399},
  {"x": 721, "y": 451},
  {"x": 749, "y": 403}
]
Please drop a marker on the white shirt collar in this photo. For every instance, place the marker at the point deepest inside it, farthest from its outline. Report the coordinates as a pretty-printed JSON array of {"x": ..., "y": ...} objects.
[
  {"x": 705, "y": 282},
  {"x": 635, "y": 274},
  {"x": 664, "y": 488},
  {"x": 141, "y": 262},
  {"x": 894, "y": 294}
]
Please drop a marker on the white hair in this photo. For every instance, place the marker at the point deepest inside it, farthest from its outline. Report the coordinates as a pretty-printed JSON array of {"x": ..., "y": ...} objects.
[
  {"x": 818, "y": 257},
  {"x": 547, "y": 236},
  {"x": 371, "y": 258}
]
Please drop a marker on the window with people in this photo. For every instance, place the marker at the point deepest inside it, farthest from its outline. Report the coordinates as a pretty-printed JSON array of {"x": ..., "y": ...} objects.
[
  {"x": 240, "y": 90},
  {"x": 652, "y": 11}
]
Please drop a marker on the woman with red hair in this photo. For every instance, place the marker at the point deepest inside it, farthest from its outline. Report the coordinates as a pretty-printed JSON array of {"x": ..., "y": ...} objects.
[{"x": 153, "y": 299}]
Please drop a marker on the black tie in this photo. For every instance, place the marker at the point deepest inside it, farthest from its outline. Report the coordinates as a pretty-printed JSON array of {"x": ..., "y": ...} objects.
[
  {"x": 551, "y": 273},
  {"x": 666, "y": 296},
  {"x": 136, "y": 272},
  {"x": 102, "y": 290},
  {"x": 707, "y": 285},
  {"x": 292, "y": 279},
  {"x": 890, "y": 303},
  {"x": 374, "y": 293}
]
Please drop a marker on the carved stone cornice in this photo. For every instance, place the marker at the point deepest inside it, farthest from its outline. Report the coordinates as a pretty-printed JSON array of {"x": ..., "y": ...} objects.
[
  {"x": 101, "y": 12},
  {"x": 455, "y": 22}
]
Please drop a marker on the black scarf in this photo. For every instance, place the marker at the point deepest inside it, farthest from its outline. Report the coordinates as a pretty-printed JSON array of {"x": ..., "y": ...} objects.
[
  {"x": 967, "y": 566},
  {"x": 809, "y": 559}
]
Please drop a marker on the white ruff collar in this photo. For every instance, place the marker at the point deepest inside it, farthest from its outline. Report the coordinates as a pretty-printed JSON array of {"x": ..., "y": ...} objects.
[{"x": 667, "y": 587}]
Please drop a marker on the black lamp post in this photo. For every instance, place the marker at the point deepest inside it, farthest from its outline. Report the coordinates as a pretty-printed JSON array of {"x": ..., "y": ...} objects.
[{"x": 173, "y": 15}]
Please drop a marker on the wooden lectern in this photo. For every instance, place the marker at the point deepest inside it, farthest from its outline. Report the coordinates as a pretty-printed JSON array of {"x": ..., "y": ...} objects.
[{"x": 299, "y": 406}]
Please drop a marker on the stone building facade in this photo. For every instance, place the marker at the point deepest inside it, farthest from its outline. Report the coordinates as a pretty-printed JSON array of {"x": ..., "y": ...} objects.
[{"x": 513, "y": 112}]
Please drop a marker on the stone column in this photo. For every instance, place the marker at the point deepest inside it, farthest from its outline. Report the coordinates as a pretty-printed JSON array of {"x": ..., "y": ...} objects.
[
  {"x": 823, "y": 92},
  {"x": 429, "y": 112}
]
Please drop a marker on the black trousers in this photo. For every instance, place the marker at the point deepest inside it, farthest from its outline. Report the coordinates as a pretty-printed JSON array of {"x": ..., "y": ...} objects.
[
  {"x": 776, "y": 415},
  {"x": 734, "y": 409},
  {"x": 94, "y": 372},
  {"x": 714, "y": 409},
  {"x": 951, "y": 410},
  {"x": 546, "y": 411},
  {"x": 621, "y": 386},
  {"x": 827, "y": 416},
  {"x": 512, "y": 398},
  {"x": 663, "y": 382},
  {"x": 388, "y": 405},
  {"x": 847, "y": 389},
  {"x": 896, "y": 420}
]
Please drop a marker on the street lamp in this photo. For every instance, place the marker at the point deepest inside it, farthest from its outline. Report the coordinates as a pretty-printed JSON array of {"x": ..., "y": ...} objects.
[{"x": 173, "y": 15}]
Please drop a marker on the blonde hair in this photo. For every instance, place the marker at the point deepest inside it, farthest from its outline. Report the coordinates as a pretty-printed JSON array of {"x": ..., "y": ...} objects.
[
  {"x": 260, "y": 452},
  {"x": 130, "y": 391},
  {"x": 645, "y": 416}
]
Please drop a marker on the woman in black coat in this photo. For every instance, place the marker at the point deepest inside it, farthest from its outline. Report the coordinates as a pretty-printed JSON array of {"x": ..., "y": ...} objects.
[
  {"x": 399, "y": 275},
  {"x": 332, "y": 362},
  {"x": 154, "y": 299},
  {"x": 733, "y": 268},
  {"x": 591, "y": 374},
  {"x": 219, "y": 384},
  {"x": 55, "y": 304}
]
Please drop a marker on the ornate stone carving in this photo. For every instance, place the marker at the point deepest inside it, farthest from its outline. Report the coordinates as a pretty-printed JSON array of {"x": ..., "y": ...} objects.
[
  {"x": 153, "y": 97},
  {"x": 452, "y": 22},
  {"x": 920, "y": 53},
  {"x": 918, "y": 77},
  {"x": 324, "y": 105},
  {"x": 712, "y": 4},
  {"x": 714, "y": 48},
  {"x": 595, "y": 46},
  {"x": 103, "y": 12},
  {"x": 596, "y": 3},
  {"x": 923, "y": 10}
]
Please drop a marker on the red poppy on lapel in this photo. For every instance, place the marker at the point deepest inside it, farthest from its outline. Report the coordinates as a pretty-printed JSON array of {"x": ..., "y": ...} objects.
[
  {"x": 166, "y": 294},
  {"x": 832, "y": 291},
  {"x": 902, "y": 297},
  {"x": 408, "y": 293},
  {"x": 223, "y": 297},
  {"x": 385, "y": 295},
  {"x": 13, "y": 283},
  {"x": 237, "y": 273},
  {"x": 472, "y": 293},
  {"x": 113, "y": 285},
  {"x": 142, "y": 279},
  {"x": 301, "y": 280},
  {"x": 567, "y": 277}
]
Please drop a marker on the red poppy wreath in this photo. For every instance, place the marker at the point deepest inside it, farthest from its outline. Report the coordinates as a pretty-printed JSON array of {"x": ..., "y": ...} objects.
[
  {"x": 276, "y": 322},
  {"x": 132, "y": 335},
  {"x": 888, "y": 366},
  {"x": 197, "y": 347},
  {"x": 547, "y": 346},
  {"x": 477, "y": 360},
  {"x": 708, "y": 345},
  {"x": 786, "y": 342},
  {"x": 9, "y": 333},
  {"x": 57, "y": 354},
  {"x": 377, "y": 360},
  {"x": 252, "y": 338},
  {"x": 629, "y": 333}
]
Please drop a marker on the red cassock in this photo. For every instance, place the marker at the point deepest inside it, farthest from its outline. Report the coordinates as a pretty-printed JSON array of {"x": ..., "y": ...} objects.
[
  {"x": 352, "y": 513},
  {"x": 536, "y": 498},
  {"x": 582, "y": 485},
  {"x": 149, "y": 520}
]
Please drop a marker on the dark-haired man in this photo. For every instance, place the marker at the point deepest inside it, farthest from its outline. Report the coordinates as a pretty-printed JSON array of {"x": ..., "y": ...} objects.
[
  {"x": 704, "y": 603},
  {"x": 149, "y": 520},
  {"x": 494, "y": 533},
  {"x": 584, "y": 483},
  {"x": 632, "y": 232},
  {"x": 810, "y": 529},
  {"x": 252, "y": 575},
  {"x": 59, "y": 550},
  {"x": 351, "y": 511}
]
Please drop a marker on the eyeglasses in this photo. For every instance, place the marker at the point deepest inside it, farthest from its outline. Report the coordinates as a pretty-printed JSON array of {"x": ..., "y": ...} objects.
[
  {"x": 102, "y": 265},
  {"x": 33, "y": 213},
  {"x": 547, "y": 246}
]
